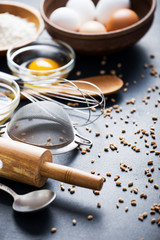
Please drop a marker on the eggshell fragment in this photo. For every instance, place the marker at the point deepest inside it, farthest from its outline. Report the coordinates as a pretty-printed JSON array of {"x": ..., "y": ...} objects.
[
  {"x": 85, "y": 8},
  {"x": 105, "y": 8},
  {"x": 121, "y": 18},
  {"x": 92, "y": 27},
  {"x": 66, "y": 18}
]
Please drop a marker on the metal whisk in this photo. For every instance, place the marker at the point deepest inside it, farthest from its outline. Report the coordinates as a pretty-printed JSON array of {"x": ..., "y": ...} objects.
[{"x": 67, "y": 94}]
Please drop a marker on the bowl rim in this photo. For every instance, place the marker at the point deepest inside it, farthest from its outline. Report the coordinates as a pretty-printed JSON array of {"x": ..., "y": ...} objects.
[
  {"x": 34, "y": 11},
  {"x": 105, "y": 35},
  {"x": 17, "y": 67},
  {"x": 12, "y": 105}
]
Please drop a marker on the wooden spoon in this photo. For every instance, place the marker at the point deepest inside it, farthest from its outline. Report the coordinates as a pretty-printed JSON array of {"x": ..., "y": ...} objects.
[{"x": 108, "y": 84}]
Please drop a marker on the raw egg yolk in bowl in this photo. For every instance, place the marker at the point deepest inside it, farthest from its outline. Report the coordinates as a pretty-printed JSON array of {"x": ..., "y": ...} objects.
[{"x": 43, "y": 64}]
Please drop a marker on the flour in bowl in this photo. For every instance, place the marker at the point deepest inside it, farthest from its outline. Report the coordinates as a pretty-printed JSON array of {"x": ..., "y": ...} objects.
[{"x": 14, "y": 29}]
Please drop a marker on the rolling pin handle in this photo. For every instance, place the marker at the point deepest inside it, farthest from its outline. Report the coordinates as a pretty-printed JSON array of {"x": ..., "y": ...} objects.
[{"x": 71, "y": 176}]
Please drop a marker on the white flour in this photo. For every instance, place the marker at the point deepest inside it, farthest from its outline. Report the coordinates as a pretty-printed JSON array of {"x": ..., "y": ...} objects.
[{"x": 14, "y": 29}]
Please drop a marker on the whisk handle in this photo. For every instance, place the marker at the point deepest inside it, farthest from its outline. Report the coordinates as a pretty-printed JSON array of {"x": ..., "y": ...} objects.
[{"x": 71, "y": 176}]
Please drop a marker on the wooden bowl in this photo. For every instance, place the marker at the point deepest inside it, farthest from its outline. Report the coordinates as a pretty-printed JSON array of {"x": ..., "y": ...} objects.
[
  {"x": 106, "y": 43},
  {"x": 24, "y": 11}
]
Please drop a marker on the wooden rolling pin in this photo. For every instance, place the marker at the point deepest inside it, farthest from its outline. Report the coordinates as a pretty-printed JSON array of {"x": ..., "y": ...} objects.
[{"x": 33, "y": 165}]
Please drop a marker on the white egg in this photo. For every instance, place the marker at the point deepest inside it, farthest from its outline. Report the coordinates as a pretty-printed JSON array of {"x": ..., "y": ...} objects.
[
  {"x": 105, "y": 8},
  {"x": 92, "y": 27},
  {"x": 66, "y": 18},
  {"x": 85, "y": 8}
]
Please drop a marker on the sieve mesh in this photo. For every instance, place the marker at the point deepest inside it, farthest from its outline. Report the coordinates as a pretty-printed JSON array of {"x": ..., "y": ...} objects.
[{"x": 42, "y": 123}]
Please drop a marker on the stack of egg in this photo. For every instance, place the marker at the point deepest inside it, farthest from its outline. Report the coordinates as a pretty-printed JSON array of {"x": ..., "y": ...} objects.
[{"x": 83, "y": 16}]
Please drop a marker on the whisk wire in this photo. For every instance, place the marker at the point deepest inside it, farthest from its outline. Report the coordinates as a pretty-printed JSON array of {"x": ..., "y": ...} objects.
[{"x": 49, "y": 89}]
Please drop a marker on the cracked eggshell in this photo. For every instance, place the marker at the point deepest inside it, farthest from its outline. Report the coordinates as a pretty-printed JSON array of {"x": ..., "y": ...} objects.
[
  {"x": 105, "y": 8},
  {"x": 85, "y": 8},
  {"x": 66, "y": 18}
]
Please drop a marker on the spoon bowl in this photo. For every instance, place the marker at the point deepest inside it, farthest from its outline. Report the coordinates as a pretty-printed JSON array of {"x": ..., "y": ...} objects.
[{"x": 32, "y": 201}]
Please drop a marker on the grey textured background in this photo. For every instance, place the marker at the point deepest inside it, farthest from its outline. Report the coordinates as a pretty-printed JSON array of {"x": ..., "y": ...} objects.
[{"x": 108, "y": 222}]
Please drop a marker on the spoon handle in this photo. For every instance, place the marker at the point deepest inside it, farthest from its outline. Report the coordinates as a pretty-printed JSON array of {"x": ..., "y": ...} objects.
[{"x": 8, "y": 190}]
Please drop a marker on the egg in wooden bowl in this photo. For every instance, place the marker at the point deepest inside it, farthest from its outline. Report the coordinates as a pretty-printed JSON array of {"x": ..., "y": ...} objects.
[{"x": 104, "y": 40}]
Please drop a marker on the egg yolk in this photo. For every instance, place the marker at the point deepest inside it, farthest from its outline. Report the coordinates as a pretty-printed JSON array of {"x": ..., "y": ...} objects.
[{"x": 43, "y": 64}]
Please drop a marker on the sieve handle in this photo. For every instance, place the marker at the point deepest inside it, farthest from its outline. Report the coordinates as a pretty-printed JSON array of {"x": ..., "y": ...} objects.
[{"x": 71, "y": 176}]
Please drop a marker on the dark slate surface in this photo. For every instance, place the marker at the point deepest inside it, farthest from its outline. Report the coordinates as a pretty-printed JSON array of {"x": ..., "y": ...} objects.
[{"x": 109, "y": 222}]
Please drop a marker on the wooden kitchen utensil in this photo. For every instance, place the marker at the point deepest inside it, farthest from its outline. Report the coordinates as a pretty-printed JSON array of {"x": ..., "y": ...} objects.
[
  {"x": 33, "y": 165},
  {"x": 108, "y": 84}
]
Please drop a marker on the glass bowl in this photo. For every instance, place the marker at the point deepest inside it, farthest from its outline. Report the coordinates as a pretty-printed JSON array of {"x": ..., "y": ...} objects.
[
  {"x": 9, "y": 98},
  {"x": 18, "y": 59}
]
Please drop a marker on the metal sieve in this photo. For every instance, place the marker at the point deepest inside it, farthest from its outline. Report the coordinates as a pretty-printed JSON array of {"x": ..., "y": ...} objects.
[{"x": 45, "y": 124}]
